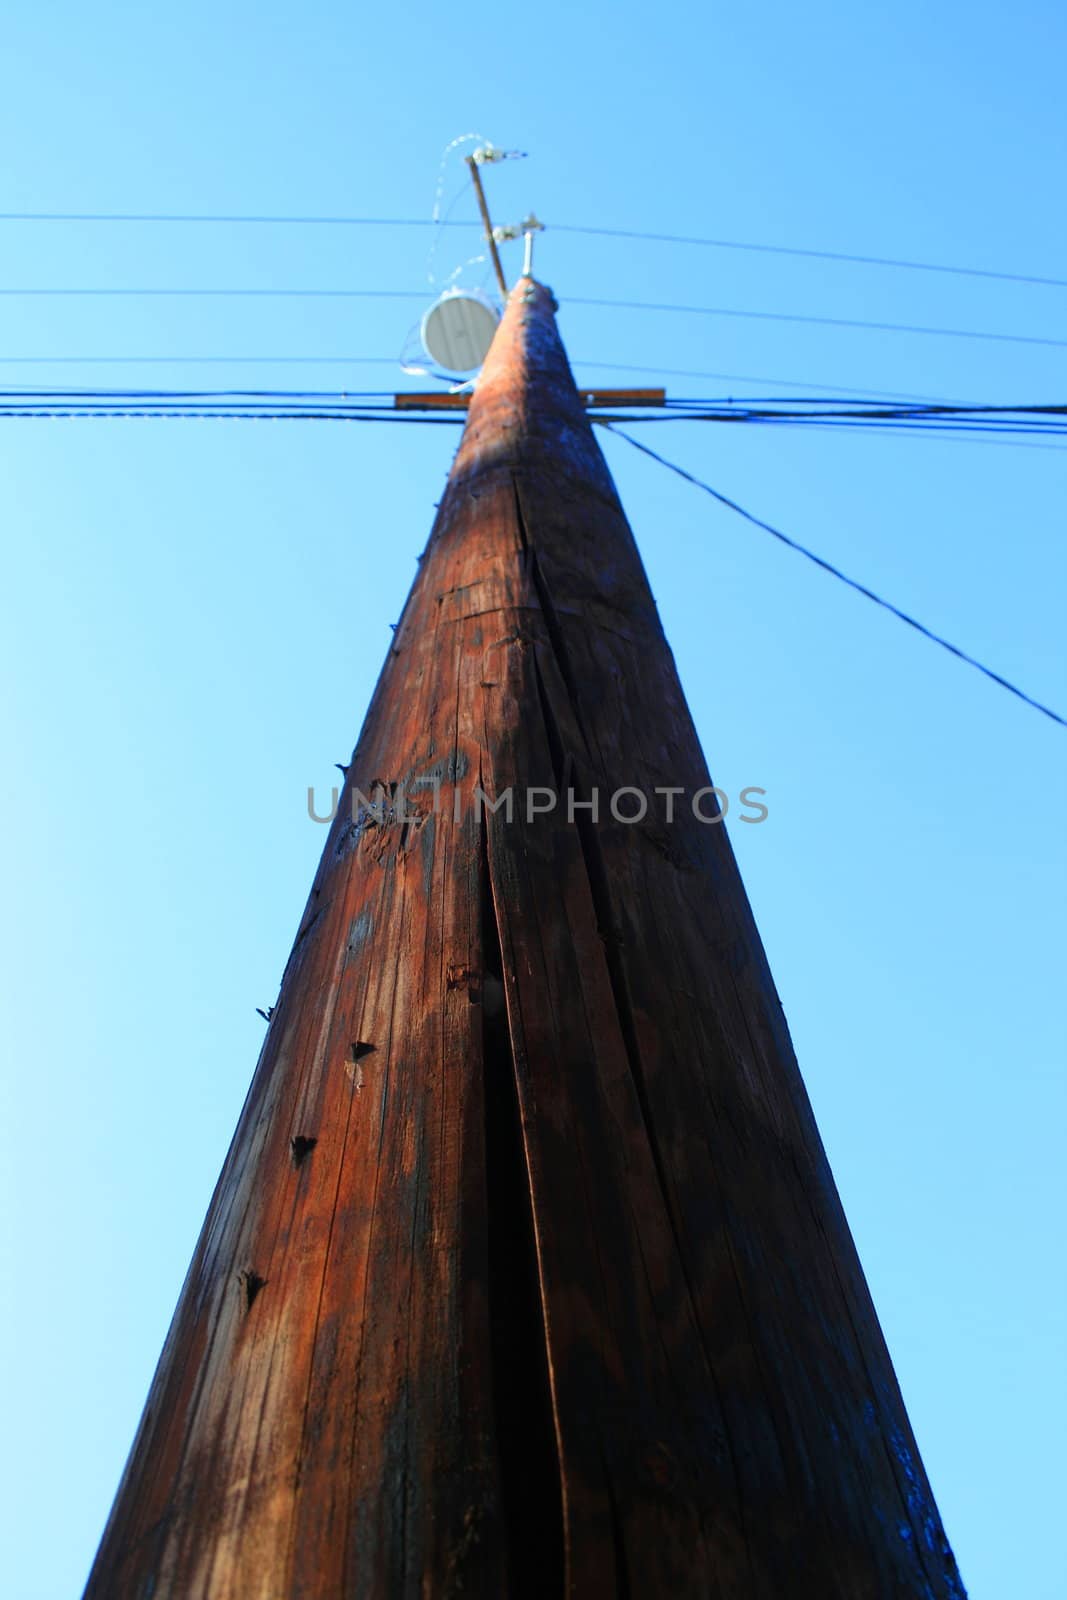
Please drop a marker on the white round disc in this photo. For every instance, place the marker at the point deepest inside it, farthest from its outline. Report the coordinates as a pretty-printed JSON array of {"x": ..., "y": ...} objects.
[{"x": 457, "y": 332}]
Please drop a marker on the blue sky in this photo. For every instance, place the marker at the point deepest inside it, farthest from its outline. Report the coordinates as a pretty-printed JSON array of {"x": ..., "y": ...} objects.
[{"x": 194, "y": 614}]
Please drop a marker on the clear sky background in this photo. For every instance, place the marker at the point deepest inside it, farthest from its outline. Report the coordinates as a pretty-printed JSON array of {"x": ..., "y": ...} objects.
[{"x": 194, "y": 614}]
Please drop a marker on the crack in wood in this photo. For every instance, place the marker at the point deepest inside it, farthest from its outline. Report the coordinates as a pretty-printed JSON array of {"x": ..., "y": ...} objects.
[
  {"x": 611, "y": 938},
  {"x": 528, "y": 1458}
]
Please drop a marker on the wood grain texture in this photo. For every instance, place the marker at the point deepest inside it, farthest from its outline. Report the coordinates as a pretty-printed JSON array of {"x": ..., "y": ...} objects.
[{"x": 526, "y": 1274}]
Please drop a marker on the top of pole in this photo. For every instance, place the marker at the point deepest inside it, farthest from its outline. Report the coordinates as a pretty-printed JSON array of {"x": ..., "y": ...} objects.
[{"x": 525, "y": 407}]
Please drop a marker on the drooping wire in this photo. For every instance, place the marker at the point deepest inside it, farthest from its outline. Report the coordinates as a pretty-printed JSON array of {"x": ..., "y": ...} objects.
[
  {"x": 835, "y": 572},
  {"x": 437, "y": 221}
]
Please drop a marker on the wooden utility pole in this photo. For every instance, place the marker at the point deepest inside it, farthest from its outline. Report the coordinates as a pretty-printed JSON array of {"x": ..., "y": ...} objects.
[{"x": 526, "y": 1274}]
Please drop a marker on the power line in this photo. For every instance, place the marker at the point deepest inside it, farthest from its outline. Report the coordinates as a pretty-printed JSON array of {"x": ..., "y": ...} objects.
[
  {"x": 392, "y": 361},
  {"x": 675, "y": 408},
  {"x": 174, "y": 360},
  {"x": 945, "y": 435},
  {"x": 836, "y": 572},
  {"x": 341, "y": 221},
  {"x": 826, "y": 322},
  {"x": 817, "y": 255},
  {"x": 815, "y": 410},
  {"x": 378, "y": 398},
  {"x": 279, "y": 219},
  {"x": 1039, "y": 421},
  {"x": 163, "y": 414},
  {"x": 236, "y": 293},
  {"x": 751, "y": 409},
  {"x": 745, "y": 377},
  {"x": 574, "y": 300}
]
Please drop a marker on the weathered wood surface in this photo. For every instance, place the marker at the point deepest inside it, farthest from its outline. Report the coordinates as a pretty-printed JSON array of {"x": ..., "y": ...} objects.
[{"x": 526, "y": 1274}]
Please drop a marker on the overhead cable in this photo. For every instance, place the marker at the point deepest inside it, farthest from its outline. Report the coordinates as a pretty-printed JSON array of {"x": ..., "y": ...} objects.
[
  {"x": 806, "y": 411},
  {"x": 340, "y": 221},
  {"x": 817, "y": 255},
  {"x": 574, "y": 300},
  {"x": 391, "y": 361},
  {"x": 826, "y": 322}
]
